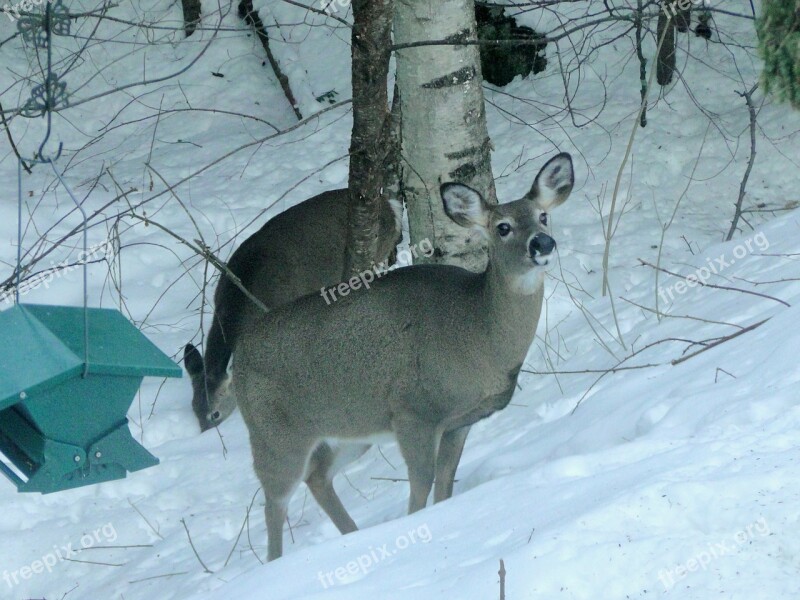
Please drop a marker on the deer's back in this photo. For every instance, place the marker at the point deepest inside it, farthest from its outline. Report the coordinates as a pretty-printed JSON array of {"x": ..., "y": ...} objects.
[
  {"x": 293, "y": 254},
  {"x": 412, "y": 342}
]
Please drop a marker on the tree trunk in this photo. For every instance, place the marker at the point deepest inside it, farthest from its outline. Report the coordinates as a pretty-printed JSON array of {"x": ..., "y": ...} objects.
[
  {"x": 250, "y": 16},
  {"x": 191, "y": 15},
  {"x": 443, "y": 130},
  {"x": 371, "y": 51},
  {"x": 665, "y": 67}
]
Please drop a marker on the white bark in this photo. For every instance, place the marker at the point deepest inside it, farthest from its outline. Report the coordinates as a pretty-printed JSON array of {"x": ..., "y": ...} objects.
[{"x": 443, "y": 133}]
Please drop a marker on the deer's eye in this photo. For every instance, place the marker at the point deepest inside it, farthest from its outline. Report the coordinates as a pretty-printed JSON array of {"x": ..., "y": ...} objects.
[
  {"x": 543, "y": 219},
  {"x": 503, "y": 229}
]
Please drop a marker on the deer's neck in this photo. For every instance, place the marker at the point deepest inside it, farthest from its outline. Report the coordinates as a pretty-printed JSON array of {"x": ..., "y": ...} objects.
[{"x": 511, "y": 317}]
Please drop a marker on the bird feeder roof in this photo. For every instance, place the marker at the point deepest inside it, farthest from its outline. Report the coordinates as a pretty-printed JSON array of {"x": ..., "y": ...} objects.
[{"x": 43, "y": 347}]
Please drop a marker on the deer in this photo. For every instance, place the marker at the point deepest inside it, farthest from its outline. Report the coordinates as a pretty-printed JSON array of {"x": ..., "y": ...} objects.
[
  {"x": 299, "y": 251},
  {"x": 425, "y": 353}
]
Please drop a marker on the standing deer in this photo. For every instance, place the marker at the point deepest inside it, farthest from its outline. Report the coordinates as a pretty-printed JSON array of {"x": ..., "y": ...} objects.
[
  {"x": 428, "y": 351},
  {"x": 296, "y": 253}
]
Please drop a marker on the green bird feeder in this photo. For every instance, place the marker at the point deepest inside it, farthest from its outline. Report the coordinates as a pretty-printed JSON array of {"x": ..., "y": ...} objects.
[
  {"x": 62, "y": 419},
  {"x": 68, "y": 375}
]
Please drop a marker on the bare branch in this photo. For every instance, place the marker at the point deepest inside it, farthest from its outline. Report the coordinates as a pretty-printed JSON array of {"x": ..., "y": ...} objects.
[{"x": 751, "y": 109}]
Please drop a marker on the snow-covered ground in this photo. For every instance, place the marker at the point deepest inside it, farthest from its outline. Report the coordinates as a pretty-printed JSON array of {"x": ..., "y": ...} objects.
[{"x": 667, "y": 480}]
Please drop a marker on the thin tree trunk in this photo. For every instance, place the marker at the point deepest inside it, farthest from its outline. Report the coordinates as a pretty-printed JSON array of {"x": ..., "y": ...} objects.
[
  {"x": 443, "y": 131},
  {"x": 371, "y": 51},
  {"x": 642, "y": 60},
  {"x": 191, "y": 15},
  {"x": 665, "y": 67},
  {"x": 250, "y": 16},
  {"x": 751, "y": 109}
]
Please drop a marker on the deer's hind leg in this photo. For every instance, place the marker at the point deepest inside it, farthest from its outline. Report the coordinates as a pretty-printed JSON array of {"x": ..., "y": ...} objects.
[
  {"x": 280, "y": 468},
  {"x": 325, "y": 461},
  {"x": 450, "y": 449}
]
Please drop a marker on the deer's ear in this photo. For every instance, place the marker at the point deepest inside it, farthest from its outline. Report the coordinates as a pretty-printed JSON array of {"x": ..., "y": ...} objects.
[
  {"x": 554, "y": 182},
  {"x": 192, "y": 360},
  {"x": 464, "y": 205}
]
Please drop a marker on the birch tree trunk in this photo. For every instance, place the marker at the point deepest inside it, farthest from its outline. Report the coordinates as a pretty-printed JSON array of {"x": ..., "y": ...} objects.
[{"x": 443, "y": 129}]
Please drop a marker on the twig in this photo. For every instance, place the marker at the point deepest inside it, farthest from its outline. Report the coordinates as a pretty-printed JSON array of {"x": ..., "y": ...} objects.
[
  {"x": 100, "y": 210},
  {"x": 149, "y": 524},
  {"x": 748, "y": 97},
  {"x": 628, "y": 149},
  {"x": 388, "y": 462},
  {"x": 246, "y": 518},
  {"x": 690, "y": 317},
  {"x": 668, "y": 224},
  {"x": 108, "y": 127},
  {"x": 159, "y": 576},
  {"x": 144, "y": 82},
  {"x": 722, "y": 340},
  {"x": 11, "y": 140},
  {"x": 91, "y": 562},
  {"x": 585, "y": 371},
  {"x": 502, "y": 573},
  {"x": 289, "y": 524},
  {"x": 771, "y": 211},
  {"x": 617, "y": 366},
  {"x": 191, "y": 543},
  {"x": 250, "y": 542},
  {"x": 773, "y": 281},
  {"x": 721, "y": 370},
  {"x": 206, "y": 253},
  {"x": 318, "y": 11},
  {"x": 70, "y": 590},
  {"x": 117, "y": 547},
  {"x": 251, "y": 17},
  {"x": 711, "y": 285}
]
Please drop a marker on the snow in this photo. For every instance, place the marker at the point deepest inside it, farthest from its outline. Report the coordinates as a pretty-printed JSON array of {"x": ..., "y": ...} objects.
[{"x": 675, "y": 481}]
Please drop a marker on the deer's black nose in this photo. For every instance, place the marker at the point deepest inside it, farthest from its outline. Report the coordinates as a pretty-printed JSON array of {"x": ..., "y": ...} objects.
[{"x": 542, "y": 244}]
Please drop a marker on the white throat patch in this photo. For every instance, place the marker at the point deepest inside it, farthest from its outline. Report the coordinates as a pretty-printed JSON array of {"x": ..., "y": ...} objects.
[{"x": 529, "y": 283}]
